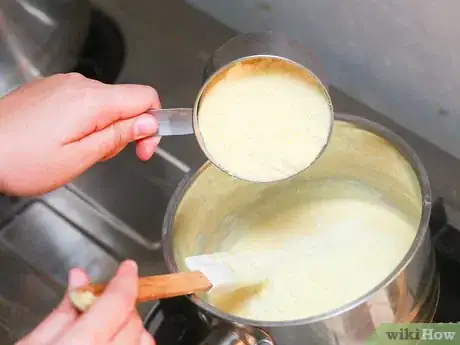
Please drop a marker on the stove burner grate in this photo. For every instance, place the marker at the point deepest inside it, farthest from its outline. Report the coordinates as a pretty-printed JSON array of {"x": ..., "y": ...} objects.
[{"x": 103, "y": 53}]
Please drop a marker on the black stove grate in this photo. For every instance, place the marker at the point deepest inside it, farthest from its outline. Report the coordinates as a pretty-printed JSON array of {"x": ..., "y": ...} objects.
[
  {"x": 175, "y": 321},
  {"x": 446, "y": 241},
  {"x": 103, "y": 53}
]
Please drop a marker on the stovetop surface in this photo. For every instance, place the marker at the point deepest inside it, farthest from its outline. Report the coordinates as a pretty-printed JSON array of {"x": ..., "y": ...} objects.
[{"x": 176, "y": 321}]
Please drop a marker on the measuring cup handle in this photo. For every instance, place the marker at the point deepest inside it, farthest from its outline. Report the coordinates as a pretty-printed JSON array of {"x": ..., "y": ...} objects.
[{"x": 174, "y": 121}]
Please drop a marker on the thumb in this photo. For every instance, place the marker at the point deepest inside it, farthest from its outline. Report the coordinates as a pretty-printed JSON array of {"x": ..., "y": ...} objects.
[
  {"x": 61, "y": 319},
  {"x": 115, "y": 137}
]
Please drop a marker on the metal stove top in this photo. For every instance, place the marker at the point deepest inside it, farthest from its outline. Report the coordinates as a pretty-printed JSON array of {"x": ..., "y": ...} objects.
[{"x": 115, "y": 210}]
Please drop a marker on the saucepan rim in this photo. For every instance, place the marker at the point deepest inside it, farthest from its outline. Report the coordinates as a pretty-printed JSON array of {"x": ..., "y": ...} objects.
[{"x": 398, "y": 143}]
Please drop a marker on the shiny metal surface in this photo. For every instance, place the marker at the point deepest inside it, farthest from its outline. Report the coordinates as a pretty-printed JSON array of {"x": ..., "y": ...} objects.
[
  {"x": 26, "y": 298},
  {"x": 86, "y": 224},
  {"x": 406, "y": 295},
  {"x": 119, "y": 205},
  {"x": 39, "y": 38},
  {"x": 174, "y": 121}
]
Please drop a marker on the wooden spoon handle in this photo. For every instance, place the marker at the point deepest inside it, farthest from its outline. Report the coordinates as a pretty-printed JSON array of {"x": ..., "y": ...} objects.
[{"x": 150, "y": 288}]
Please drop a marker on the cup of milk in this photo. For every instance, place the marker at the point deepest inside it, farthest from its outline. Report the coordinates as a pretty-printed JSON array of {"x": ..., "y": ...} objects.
[{"x": 263, "y": 118}]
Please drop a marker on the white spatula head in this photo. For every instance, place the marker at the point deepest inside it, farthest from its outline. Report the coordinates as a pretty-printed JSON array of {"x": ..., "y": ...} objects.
[{"x": 227, "y": 271}]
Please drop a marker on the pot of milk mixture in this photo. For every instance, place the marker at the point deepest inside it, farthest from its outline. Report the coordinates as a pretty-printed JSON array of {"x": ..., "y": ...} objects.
[{"x": 345, "y": 242}]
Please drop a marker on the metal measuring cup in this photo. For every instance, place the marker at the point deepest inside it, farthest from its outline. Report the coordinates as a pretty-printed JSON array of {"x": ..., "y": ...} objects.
[{"x": 179, "y": 121}]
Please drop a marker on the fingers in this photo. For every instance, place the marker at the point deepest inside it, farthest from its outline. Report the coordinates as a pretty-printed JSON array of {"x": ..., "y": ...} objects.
[
  {"x": 111, "y": 140},
  {"x": 61, "y": 319},
  {"x": 146, "y": 147},
  {"x": 131, "y": 333},
  {"x": 110, "y": 312},
  {"x": 146, "y": 339},
  {"x": 118, "y": 102},
  {"x": 112, "y": 320},
  {"x": 113, "y": 153}
]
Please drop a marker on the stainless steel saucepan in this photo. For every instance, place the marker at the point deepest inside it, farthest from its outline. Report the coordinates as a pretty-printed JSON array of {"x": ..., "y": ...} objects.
[{"x": 359, "y": 150}]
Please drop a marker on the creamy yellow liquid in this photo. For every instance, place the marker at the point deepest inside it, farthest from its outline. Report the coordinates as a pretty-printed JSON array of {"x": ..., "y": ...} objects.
[
  {"x": 329, "y": 245},
  {"x": 264, "y": 121}
]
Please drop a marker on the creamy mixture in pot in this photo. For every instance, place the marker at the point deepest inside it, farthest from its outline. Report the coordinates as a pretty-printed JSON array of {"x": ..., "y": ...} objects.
[
  {"x": 264, "y": 121},
  {"x": 327, "y": 246}
]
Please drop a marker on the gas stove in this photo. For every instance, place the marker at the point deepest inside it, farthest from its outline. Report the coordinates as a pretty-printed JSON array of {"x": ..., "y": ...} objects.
[
  {"x": 103, "y": 53},
  {"x": 177, "y": 321}
]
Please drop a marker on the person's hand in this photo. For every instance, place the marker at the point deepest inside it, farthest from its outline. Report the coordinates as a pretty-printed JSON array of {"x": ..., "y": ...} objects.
[
  {"x": 111, "y": 320},
  {"x": 53, "y": 129}
]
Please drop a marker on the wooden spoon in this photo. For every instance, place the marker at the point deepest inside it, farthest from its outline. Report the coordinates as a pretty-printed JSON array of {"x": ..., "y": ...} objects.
[
  {"x": 150, "y": 288},
  {"x": 207, "y": 272}
]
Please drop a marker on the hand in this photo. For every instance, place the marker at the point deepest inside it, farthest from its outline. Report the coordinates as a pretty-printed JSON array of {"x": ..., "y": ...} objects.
[
  {"x": 55, "y": 128},
  {"x": 111, "y": 320}
]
